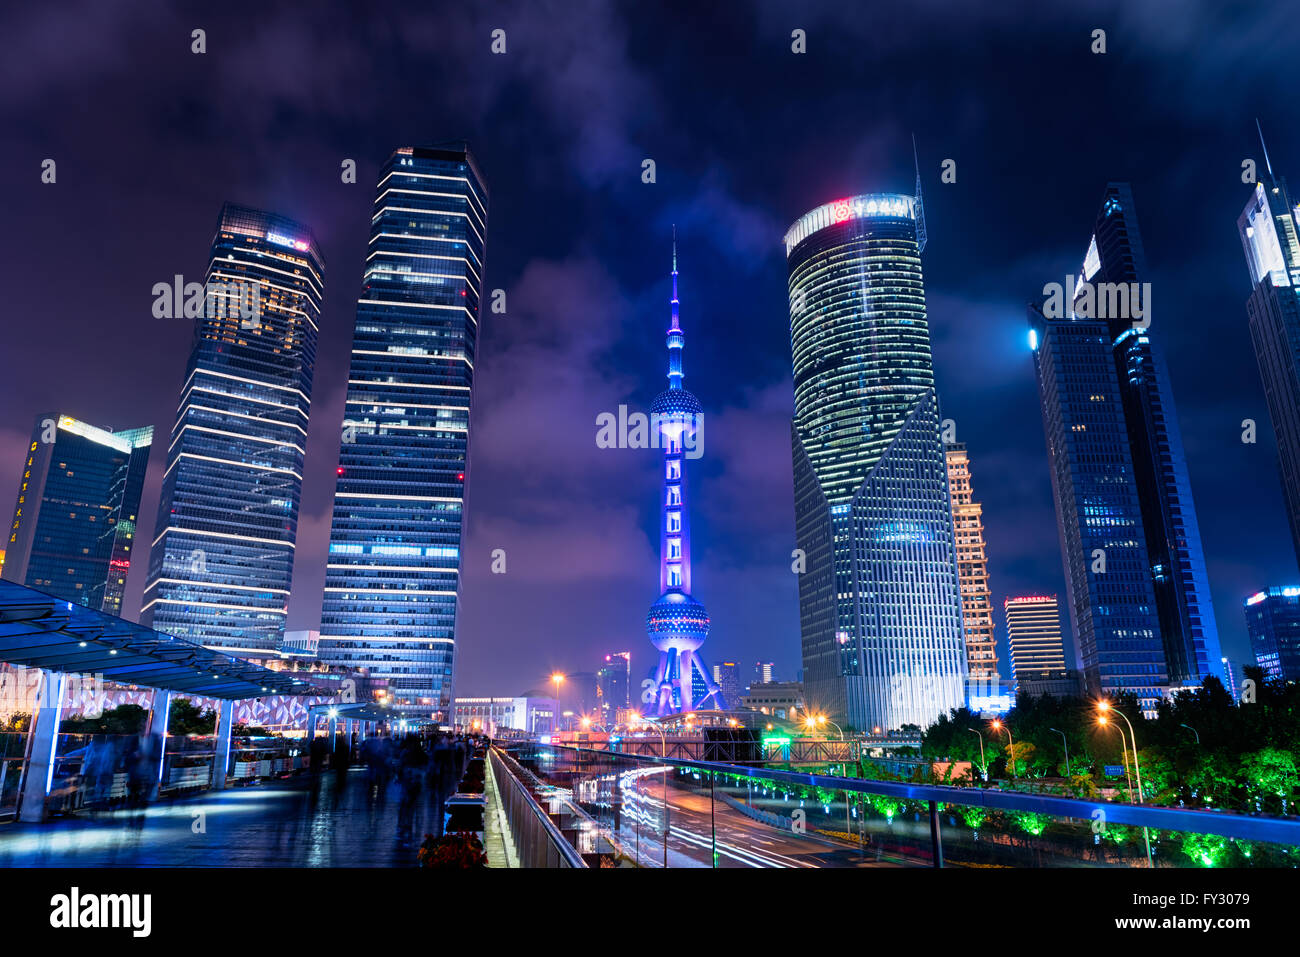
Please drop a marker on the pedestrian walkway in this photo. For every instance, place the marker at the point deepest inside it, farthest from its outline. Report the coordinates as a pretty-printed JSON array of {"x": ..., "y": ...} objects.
[
  {"x": 497, "y": 841},
  {"x": 282, "y": 824}
]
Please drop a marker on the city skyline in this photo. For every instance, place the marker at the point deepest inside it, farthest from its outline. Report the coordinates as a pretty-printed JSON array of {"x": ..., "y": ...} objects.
[{"x": 553, "y": 276}]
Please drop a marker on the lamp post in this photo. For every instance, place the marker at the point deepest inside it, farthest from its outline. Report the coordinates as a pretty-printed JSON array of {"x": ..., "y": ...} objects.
[
  {"x": 1104, "y": 706},
  {"x": 1011, "y": 745},
  {"x": 1194, "y": 731},
  {"x": 984, "y": 765},
  {"x": 1123, "y": 753},
  {"x": 557, "y": 679},
  {"x": 1067, "y": 749}
]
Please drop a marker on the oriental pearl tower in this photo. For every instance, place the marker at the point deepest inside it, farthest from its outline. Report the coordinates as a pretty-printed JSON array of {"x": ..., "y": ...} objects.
[{"x": 677, "y": 623}]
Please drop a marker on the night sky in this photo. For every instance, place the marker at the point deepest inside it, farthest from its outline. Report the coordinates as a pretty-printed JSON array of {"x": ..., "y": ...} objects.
[{"x": 150, "y": 139}]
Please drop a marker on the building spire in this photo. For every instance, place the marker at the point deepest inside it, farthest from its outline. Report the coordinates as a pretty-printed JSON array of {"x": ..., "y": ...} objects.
[
  {"x": 675, "y": 338},
  {"x": 920, "y": 205},
  {"x": 1267, "y": 162}
]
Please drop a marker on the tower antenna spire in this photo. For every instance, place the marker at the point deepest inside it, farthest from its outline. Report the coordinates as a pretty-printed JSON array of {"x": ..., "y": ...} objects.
[
  {"x": 920, "y": 203},
  {"x": 1268, "y": 164}
]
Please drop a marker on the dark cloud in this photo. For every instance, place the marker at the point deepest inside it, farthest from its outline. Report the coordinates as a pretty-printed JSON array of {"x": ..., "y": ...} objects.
[{"x": 150, "y": 139}]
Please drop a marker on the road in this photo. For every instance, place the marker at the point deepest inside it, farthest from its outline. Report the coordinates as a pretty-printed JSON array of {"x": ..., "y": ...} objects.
[{"x": 741, "y": 841}]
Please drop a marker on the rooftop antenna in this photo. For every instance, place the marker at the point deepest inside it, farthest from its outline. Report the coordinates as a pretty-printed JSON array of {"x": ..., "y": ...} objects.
[
  {"x": 920, "y": 205},
  {"x": 1267, "y": 162}
]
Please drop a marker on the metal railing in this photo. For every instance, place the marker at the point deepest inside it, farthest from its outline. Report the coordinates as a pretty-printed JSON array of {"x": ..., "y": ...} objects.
[
  {"x": 537, "y": 840},
  {"x": 907, "y": 822}
]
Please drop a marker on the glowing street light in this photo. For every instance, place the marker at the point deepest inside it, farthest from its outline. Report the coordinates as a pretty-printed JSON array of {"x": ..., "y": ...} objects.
[{"x": 1011, "y": 745}]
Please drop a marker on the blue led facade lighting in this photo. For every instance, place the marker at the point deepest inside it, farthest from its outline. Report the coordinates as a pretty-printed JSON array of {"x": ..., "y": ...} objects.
[
  {"x": 392, "y": 582},
  {"x": 1120, "y": 482},
  {"x": 677, "y": 623},
  {"x": 222, "y": 559}
]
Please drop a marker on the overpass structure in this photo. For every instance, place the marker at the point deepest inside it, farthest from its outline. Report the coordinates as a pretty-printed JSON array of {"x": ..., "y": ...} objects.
[{"x": 66, "y": 645}]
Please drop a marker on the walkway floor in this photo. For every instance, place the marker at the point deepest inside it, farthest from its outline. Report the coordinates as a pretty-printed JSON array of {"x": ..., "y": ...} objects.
[{"x": 282, "y": 824}]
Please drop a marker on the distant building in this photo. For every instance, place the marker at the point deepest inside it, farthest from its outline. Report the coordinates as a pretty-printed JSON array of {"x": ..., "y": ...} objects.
[
  {"x": 972, "y": 568},
  {"x": 1034, "y": 637},
  {"x": 781, "y": 699},
  {"x": 726, "y": 675},
  {"x": 74, "y": 521},
  {"x": 534, "y": 715},
  {"x": 764, "y": 671},
  {"x": 1058, "y": 684},
  {"x": 614, "y": 684},
  {"x": 1273, "y": 623}
]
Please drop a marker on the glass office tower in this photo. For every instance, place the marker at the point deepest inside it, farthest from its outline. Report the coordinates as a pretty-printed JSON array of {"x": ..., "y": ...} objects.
[
  {"x": 880, "y": 606},
  {"x": 392, "y": 582},
  {"x": 1268, "y": 230},
  {"x": 1136, "y": 579},
  {"x": 222, "y": 561},
  {"x": 74, "y": 522},
  {"x": 1273, "y": 624}
]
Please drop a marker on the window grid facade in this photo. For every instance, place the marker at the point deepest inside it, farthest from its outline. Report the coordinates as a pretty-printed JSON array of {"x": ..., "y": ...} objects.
[
  {"x": 221, "y": 565},
  {"x": 392, "y": 580}
]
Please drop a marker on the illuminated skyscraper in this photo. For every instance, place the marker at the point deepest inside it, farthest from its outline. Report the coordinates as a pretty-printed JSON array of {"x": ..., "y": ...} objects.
[
  {"x": 1273, "y": 623},
  {"x": 677, "y": 623},
  {"x": 75, "y": 519},
  {"x": 1034, "y": 637},
  {"x": 614, "y": 685},
  {"x": 1135, "y": 570},
  {"x": 880, "y": 606},
  {"x": 222, "y": 561},
  {"x": 392, "y": 582},
  {"x": 972, "y": 568},
  {"x": 1268, "y": 229}
]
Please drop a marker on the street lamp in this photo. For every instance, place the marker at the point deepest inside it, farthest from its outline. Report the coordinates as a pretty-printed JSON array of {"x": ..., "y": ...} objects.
[
  {"x": 1123, "y": 753},
  {"x": 557, "y": 679},
  {"x": 1194, "y": 731},
  {"x": 1067, "y": 749},
  {"x": 1011, "y": 745},
  {"x": 984, "y": 765},
  {"x": 1105, "y": 708}
]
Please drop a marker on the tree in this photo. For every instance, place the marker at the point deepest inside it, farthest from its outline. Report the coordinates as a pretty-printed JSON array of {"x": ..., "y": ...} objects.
[
  {"x": 188, "y": 718},
  {"x": 1270, "y": 772}
]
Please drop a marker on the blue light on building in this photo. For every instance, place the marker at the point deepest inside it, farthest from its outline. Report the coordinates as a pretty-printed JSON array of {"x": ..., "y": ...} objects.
[
  {"x": 1273, "y": 624},
  {"x": 392, "y": 582},
  {"x": 1136, "y": 578}
]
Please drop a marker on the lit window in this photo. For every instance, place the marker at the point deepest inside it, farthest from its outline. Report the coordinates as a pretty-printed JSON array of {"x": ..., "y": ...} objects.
[{"x": 674, "y": 521}]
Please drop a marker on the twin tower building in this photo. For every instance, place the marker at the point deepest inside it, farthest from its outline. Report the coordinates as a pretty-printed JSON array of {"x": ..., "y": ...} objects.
[{"x": 221, "y": 566}]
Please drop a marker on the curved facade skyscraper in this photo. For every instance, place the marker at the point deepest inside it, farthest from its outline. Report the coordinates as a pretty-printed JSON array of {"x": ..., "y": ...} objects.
[
  {"x": 677, "y": 623},
  {"x": 392, "y": 582},
  {"x": 880, "y": 606},
  {"x": 222, "y": 561}
]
